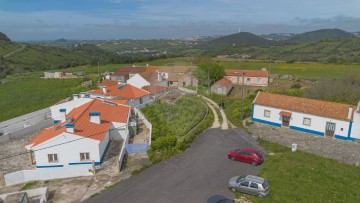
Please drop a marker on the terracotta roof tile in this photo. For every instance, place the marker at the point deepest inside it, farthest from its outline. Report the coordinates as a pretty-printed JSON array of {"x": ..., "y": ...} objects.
[
  {"x": 223, "y": 82},
  {"x": 248, "y": 73},
  {"x": 82, "y": 125},
  {"x": 304, "y": 105},
  {"x": 173, "y": 78},
  {"x": 108, "y": 83},
  {"x": 125, "y": 91},
  {"x": 123, "y": 71}
]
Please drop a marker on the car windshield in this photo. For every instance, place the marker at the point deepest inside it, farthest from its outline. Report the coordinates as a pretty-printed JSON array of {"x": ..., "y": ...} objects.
[
  {"x": 240, "y": 179},
  {"x": 265, "y": 184},
  {"x": 259, "y": 154}
]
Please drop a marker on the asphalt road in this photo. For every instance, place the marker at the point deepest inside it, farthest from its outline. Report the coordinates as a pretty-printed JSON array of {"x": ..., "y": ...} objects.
[{"x": 201, "y": 171}]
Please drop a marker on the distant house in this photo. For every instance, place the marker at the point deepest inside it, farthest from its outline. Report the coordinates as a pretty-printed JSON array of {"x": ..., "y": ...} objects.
[
  {"x": 57, "y": 75},
  {"x": 138, "y": 81},
  {"x": 222, "y": 86},
  {"x": 80, "y": 73},
  {"x": 251, "y": 77},
  {"x": 82, "y": 135},
  {"x": 188, "y": 80},
  {"x": 321, "y": 118},
  {"x": 134, "y": 95},
  {"x": 173, "y": 80},
  {"x": 122, "y": 74}
]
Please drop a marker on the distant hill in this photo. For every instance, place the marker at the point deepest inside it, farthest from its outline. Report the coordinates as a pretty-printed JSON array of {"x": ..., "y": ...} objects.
[
  {"x": 242, "y": 38},
  {"x": 3, "y": 37},
  {"x": 61, "y": 40},
  {"x": 319, "y": 35}
]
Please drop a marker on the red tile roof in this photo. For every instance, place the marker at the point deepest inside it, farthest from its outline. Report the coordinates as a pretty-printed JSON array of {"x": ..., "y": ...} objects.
[
  {"x": 154, "y": 89},
  {"x": 82, "y": 125},
  {"x": 248, "y": 73},
  {"x": 108, "y": 83},
  {"x": 223, "y": 82},
  {"x": 304, "y": 105},
  {"x": 173, "y": 78},
  {"x": 125, "y": 91},
  {"x": 123, "y": 71}
]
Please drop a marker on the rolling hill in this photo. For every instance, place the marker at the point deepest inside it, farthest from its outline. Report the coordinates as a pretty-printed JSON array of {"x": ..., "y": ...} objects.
[
  {"x": 320, "y": 35},
  {"x": 242, "y": 38},
  {"x": 3, "y": 37}
]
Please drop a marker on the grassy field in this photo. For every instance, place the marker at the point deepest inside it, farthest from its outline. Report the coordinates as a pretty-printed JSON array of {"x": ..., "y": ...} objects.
[
  {"x": 300, "y": 70},
  {"x": 304, "y": 177}
]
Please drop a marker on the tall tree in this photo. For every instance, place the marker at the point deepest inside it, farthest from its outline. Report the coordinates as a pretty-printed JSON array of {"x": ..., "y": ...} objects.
[{"x": 208, "y": 73}]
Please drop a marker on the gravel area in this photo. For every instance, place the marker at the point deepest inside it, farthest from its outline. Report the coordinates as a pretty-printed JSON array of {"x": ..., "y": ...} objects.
[{"x": 343, "y": 151}]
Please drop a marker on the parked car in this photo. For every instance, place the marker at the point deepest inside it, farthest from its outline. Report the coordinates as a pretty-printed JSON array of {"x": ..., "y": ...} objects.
[
  {"x": 248, "y": 155},
  {"x": 219, "y": 199},
  {"x": 249, "y": 184}
]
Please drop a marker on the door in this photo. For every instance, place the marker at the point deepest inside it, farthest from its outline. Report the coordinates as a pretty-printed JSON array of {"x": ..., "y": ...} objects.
[
  {"x": 285, "y": 121},
  {"x": 330, "y": 129},
  {"x": 253, "y": 188},
  {"x": 244, "y": 187}
]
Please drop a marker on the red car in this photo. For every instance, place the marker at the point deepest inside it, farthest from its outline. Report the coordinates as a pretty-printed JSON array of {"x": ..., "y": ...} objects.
[{"x": 247, "y": 155}]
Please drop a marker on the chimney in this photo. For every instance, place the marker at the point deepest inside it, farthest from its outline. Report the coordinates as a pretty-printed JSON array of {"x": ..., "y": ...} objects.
[
  {"x": 104, "y": 89},
  {"x": 147, "y": 64},
  {"x": 95, "y": 117},
  {"x": 119, "y": 82},
  {"x": 75, "y": 96},
  {"x": 62, "y": 115},
  {"x": 69, "y": 128},
  {"x": 350, "y": 113},
  {"x": 82, "y": 95},
  {"x": 263, "y": 69}
]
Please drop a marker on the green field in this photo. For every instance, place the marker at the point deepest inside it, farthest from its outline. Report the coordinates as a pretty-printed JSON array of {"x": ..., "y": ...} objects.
[
  {"x": 305, "y": 177},
  {"x": 311, "y": 71}
]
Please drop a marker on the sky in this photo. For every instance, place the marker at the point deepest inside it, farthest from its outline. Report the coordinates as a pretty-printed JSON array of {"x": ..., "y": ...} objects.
[{"x": 154, "y": 19}]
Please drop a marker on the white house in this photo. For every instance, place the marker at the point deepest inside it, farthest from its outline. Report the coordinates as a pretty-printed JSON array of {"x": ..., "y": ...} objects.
[
  {"x": 134, "y": 95},
  {"x": 321, "y": 118},
  {"x": 138, "y": 81},
  {"x": 83, "y": 137},
  {"x": 258, "y": 78}
]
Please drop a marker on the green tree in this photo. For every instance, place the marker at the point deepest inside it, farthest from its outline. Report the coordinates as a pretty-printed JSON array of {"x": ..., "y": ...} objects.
[{"x": 208, "y": 73}]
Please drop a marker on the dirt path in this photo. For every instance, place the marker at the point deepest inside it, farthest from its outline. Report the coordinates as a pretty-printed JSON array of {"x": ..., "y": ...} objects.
[
  {"x": 14, "y": 52},
  {"x": 224, "y": 124},
  {"x": 216, "y": 123}
]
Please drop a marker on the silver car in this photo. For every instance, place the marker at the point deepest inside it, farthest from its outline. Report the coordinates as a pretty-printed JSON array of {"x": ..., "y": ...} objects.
[{"x": 249, "y": 184}]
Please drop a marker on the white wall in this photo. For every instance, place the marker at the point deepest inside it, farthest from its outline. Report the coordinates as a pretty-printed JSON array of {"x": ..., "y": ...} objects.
[
  {"x": 68, "y": 148},
  {"x": 70, "y": 105},
  {"x": 355, "y": 130},
  {"x": 317, "y": 123},
  {"x": 103, "y": 144},
  {"x": 118, "y": 131},
  {"x": 137, "y": 81}
]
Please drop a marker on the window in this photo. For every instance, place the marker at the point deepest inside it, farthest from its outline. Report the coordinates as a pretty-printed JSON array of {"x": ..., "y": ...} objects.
[
  {"x": 307, "y": 121},
  {"x": 247, "y": 80},
  {"x": 53, "y": 158},
  {"x": 85, "y": 156},
  {"x": 258, "y": 80},
  {"x": 246, "y": 184},
  {"x": 141, "y": 100},
  {"x": 267, "y": 113},
  {"x": 254, "y": 185}
]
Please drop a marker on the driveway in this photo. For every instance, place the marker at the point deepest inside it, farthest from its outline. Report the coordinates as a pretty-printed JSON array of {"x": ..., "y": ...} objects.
[{"x": 201, "y": 171}]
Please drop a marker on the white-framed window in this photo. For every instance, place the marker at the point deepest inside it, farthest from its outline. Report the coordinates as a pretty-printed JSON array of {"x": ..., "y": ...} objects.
[
  {"x": 247, "y": 80},
  {"x": 258, "y": 80},
  {"x": 53, "y": 158},
  {"x": 267, "y": 113},
  {"x": 307, "y": 121},
  {"x": 85, "y": 156}
]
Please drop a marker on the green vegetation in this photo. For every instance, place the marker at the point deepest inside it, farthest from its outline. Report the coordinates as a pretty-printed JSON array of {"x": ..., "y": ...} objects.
[
  {"x": 209, "y": 73},
  {"x": 172, "y": 124},
  {"x": 319, "y": 35},
  {"x": 28, "y": 185},
  {"x": 305, "y": 177}
]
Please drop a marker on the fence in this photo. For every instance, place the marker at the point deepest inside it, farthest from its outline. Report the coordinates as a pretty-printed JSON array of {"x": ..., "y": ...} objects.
[
  {"x": 47, "y": 173},
  {"x": 21, "y": 125},
  {"x": 145, "y": 104},
  {"x": 40, "y": 194}
]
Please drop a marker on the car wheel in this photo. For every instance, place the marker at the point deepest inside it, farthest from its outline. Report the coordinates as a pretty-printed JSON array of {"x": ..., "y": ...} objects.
[
  {"x": 232, "y": 158},
  {"x": 254, "y": 163},
  {"x": 233, "y": 189}
]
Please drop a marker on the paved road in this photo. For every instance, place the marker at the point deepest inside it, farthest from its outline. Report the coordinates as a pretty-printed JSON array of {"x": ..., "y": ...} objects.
[{"x": 193, "y": 176}]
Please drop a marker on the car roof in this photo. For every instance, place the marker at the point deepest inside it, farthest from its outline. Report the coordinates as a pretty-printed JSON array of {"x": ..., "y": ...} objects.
[
  {"x": 249, "y": 150},
  {"x": 255, "y": 179}
]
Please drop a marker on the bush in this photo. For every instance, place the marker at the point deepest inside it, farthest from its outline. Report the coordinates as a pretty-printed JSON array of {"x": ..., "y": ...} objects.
[{"x": 164, "y": 142}]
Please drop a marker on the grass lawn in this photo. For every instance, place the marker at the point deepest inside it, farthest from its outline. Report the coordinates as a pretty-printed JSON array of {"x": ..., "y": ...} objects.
[
  {"x": 305, "y": 177},
  {"x": 300, "y": 70}
]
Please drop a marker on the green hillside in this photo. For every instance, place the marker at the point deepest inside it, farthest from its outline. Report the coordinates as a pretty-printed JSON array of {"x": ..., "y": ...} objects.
[
  {"x": 3, "y": 37},
  {"x": 320, "y": 35},
  {"x": 242, "y": 38}
]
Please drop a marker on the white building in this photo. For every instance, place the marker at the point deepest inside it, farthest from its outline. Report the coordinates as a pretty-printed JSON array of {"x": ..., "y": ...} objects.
[
  {"x": 83, "y": 137},
  {"x": 321, "y": 118}
]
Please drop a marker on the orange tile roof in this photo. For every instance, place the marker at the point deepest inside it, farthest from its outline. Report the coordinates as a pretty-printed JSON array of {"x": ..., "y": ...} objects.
[
  {"x": 223, "y": 82},
  {"x": 108, "y": 83},
  {"x": 248, "y": 73},
  {"x": 173, "y": 78},
  {"x": 82, "y": 125},
  {"x": 304, "y": 105},
  {"x": 154, "y": 89},
  {"x": 127, "y": 92}
]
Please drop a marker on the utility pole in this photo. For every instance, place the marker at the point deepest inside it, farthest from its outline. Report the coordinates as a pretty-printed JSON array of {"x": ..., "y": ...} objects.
[{"x": 242, "y": 98}]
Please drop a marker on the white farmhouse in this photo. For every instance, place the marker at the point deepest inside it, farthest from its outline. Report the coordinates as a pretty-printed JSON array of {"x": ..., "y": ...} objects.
[
  {"x": 138, "y": 81},
  {"x": 321, "y": 118},
  {"x": 83, "y": 137}
]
